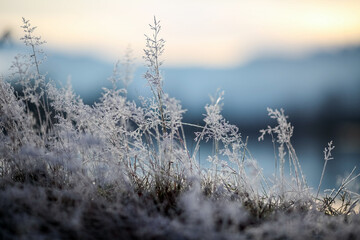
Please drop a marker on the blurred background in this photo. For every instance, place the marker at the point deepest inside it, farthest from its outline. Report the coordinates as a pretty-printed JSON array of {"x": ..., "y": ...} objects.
[{"x": 303, "y": 56}]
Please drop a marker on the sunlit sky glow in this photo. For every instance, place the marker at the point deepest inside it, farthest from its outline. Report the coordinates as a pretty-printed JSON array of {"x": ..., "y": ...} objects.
[{"x": 197, "y": 32}]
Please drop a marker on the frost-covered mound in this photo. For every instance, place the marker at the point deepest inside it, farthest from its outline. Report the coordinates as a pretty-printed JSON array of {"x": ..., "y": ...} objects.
[
  {"x": 116, "y": 170},
  {"x": 28, "y": 211}
]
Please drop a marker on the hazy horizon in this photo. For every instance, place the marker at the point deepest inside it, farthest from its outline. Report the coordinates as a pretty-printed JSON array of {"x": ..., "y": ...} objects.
[{"x": 202, "y": 33}]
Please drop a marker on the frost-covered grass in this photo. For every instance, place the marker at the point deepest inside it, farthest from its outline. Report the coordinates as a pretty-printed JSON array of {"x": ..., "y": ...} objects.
[{"x": 117, "y": 170}]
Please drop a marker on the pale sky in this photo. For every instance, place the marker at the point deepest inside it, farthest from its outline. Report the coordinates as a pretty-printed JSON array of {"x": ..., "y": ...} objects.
[{"x": 197, "y": 32}]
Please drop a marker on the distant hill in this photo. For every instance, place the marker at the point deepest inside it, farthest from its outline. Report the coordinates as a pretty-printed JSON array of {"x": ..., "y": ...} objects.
[{"x": 299, "y": 85}]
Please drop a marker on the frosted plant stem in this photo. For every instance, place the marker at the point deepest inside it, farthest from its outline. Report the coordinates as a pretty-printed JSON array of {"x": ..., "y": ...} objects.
[
  {"x": 327, "y": 157},
  {"x": 198, "y": 142},
  {"x": 321, "y": 178},
  {"x": 275, "y": 157}
]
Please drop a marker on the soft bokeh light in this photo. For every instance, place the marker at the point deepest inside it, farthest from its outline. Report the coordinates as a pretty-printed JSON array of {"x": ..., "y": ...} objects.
[{"x": 203, "y": 33}]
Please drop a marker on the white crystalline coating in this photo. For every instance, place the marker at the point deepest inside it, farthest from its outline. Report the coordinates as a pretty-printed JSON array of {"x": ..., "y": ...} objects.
[{"x": 116, "y": 170}]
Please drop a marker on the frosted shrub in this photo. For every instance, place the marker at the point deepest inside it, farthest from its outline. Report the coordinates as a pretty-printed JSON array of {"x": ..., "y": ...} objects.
[
  {"x": 284, "y": 131},
  {"x": 118, "y": 170},
  {"x": 231, "y": 156}
]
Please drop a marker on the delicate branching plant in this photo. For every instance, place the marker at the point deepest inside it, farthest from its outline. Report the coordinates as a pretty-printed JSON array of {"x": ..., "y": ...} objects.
[
  {"x": 154, "y": 49},
  {"x": 284, "y": 131},
  {"x": 327, "y": 157},
  {"x": 33, "y": 82},
  {"x": 34, "y": 42}
]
